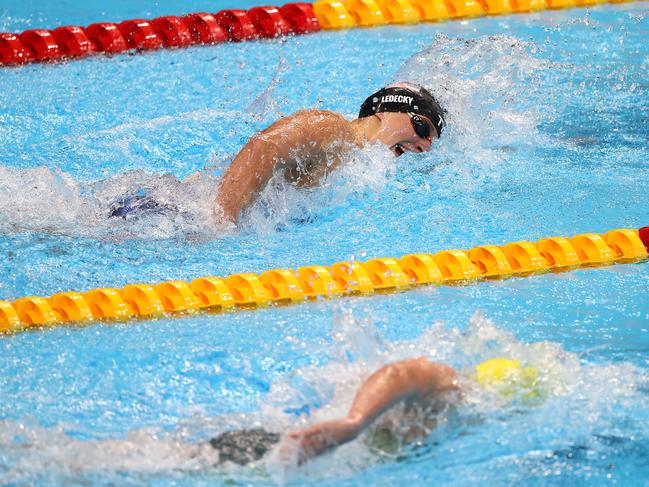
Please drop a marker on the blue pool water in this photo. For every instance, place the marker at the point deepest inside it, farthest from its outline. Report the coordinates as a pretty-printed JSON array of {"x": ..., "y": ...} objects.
[{"x": 548, "y": 135}]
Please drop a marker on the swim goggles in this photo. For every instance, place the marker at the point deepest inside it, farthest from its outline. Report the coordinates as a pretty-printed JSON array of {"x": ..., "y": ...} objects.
[{"x": 421, "y": 126}]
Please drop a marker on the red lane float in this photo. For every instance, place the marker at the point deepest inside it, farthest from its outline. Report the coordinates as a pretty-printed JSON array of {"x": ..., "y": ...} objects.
[
  {"x": 237, "y": 25},
  {"x": 73, "y": 41},
  {"x": 165, "y": 31},
  {"x": 204, "y": 28},
  {"x": 269, "y": 22},
  {"x": 12, "y": 50},
  {"x": 300, "y": 17},
  {"x": 139, "y": 34},
  {"x": 264, "y": 22},
  {"x": 41, "y": 43},
  {"x": 106, "y": 37},
  {"x": 172, "y": 31},
  {"x": 644, "y": 236}
]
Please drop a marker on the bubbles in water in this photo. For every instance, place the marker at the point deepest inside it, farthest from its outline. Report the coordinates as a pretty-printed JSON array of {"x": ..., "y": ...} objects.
[
  {"x": 40, "y": 199},
  {"x": 141, "y": 205},
  {"x": 50, "y": 453}
]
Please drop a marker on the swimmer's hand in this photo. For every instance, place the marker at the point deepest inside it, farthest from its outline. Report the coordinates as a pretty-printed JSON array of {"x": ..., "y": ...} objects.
[{"x": 320, "y": 438}]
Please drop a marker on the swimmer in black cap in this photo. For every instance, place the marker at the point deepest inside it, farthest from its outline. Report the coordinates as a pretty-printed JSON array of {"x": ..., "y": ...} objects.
[{"x": 309, "y": 144}]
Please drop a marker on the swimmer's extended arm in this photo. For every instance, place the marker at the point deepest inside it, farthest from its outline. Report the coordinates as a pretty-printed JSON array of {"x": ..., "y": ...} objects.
[
  {"x": 405, "y": 380},
  {"x": 247, "y": 175},
  {"x": 304, "y": 132}
]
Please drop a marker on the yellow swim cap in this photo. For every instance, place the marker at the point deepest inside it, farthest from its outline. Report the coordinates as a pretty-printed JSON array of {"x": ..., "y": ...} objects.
[{"x": 509, "y": 379}]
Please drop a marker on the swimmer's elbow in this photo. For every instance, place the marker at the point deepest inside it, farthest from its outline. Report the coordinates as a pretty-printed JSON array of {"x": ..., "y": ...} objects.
[{"x": 444, "y": 377}]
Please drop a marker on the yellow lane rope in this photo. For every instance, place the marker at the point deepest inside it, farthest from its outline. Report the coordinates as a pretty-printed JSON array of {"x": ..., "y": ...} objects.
[
  {"x": 344, "y": 14},
  {"x": 282, "y": 286}
]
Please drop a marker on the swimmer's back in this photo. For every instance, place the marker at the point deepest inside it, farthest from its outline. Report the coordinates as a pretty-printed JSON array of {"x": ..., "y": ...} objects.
[{"x": 324, "y": 123}]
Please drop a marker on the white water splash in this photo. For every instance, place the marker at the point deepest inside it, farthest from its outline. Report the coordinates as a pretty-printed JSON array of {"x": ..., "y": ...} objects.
[
  {"x": 362, "y": 172},
  {"x": 265, "y": 106},
  {"x": 45, "y": 200},
  {"x": 490, "y": 88}
]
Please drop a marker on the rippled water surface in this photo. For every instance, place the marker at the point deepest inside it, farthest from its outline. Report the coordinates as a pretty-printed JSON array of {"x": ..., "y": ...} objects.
[{"x": 548, "y": 135}]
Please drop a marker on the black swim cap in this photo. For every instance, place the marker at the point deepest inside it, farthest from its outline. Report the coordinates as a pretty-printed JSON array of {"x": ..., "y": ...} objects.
[{"x": 414, "y": 99}]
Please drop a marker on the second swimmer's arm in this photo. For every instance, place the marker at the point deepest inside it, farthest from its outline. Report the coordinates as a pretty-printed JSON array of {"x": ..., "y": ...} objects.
[{"x": 407, "y": 379}]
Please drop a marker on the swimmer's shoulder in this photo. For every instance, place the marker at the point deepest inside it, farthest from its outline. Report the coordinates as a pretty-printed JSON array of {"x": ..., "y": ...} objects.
[
  {"x": 315, "y": 131},
  {"x": 325, "y": 123},
  {"x": 441, "y": 377},
  {"x": 325, "y": 116}
]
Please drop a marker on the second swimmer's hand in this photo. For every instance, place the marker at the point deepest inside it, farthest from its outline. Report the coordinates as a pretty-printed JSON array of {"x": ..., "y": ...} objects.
[{"x": 318, "y": 439}]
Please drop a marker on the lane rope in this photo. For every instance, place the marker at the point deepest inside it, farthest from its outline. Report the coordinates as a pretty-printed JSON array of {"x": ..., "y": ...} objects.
[
  {"x": 139, "y": 35},
  {"x": 284, "y": 286}
]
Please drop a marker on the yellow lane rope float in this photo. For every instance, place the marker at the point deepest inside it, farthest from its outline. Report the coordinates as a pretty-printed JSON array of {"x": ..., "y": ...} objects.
[
  {"x": 284, "y": 286},
  {"x": 344, "y": 14}
]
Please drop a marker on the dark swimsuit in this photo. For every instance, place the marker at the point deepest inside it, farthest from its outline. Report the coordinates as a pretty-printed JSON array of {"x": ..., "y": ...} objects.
[
  {"x": 244, "y": 446},
  {"x": 139, "y": 204}
]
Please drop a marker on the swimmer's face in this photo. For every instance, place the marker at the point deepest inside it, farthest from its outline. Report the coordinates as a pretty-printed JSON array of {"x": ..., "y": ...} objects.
[{"x": 399, "y": 132}]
